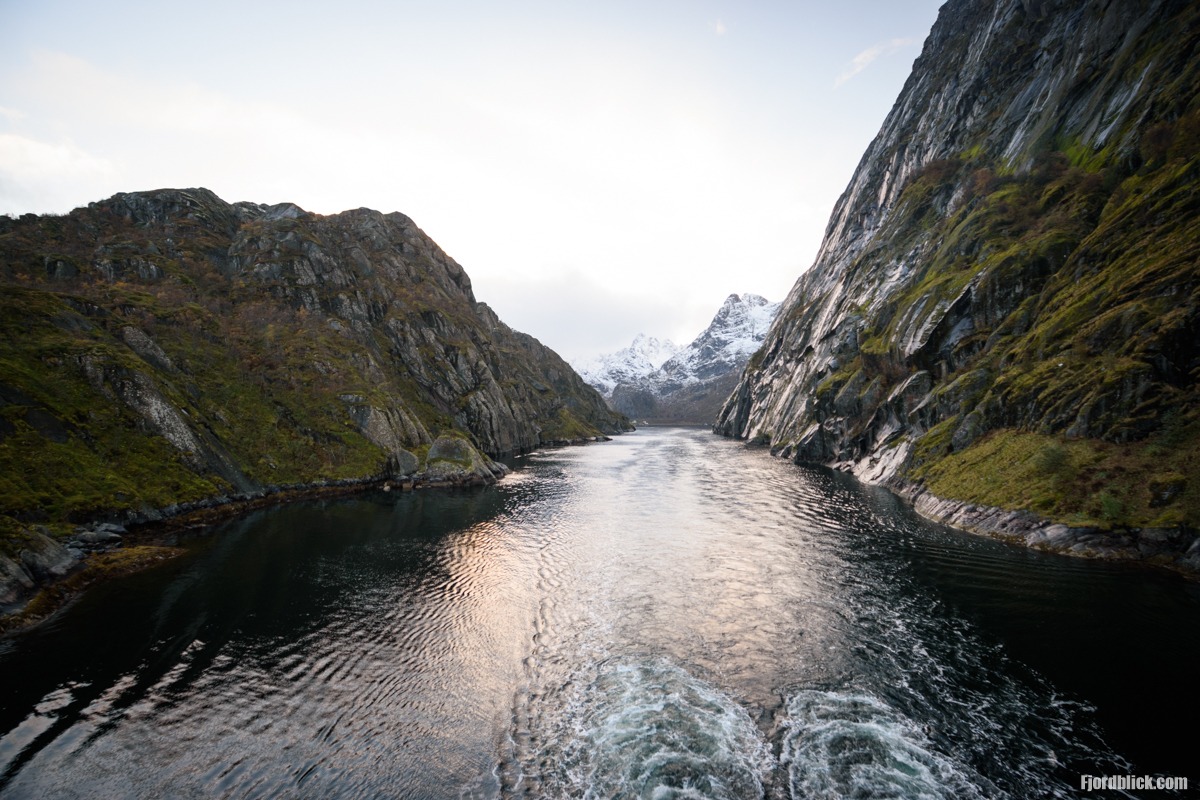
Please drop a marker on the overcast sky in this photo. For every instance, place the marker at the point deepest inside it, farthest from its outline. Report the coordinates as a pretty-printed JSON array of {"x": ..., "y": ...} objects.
[{"x": 600, "y": 168}]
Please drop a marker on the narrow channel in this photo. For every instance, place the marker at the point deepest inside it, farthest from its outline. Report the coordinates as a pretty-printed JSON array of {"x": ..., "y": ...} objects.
[{"x": 669, "y": 614}]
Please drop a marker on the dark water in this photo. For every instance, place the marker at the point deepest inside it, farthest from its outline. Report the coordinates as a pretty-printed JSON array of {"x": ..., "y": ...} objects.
[{"x": 665, "y": 615}]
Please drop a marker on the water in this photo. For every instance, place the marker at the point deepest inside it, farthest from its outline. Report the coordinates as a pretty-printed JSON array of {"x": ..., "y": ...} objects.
[{"x": 668, "y": 615}]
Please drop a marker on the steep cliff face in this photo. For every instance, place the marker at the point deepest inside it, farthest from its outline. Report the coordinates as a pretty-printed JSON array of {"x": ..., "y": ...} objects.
[
  {"x": 1006, "y": 305},
  {"x": 166, "y": 346}
]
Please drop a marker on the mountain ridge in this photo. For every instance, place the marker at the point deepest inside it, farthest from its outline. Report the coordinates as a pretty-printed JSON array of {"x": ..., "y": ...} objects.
[{"x": 628, "y": 365}]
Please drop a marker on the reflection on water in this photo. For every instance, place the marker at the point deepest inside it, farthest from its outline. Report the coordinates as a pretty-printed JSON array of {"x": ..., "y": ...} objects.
[{"x": 665, "y": 615}]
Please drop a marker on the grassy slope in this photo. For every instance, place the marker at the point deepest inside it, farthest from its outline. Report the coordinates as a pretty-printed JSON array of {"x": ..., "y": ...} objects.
[{"x": 72, "y": 452}]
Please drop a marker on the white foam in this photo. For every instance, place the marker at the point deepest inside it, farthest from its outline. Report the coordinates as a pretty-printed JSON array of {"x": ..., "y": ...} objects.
[
  {"x": 852, "y": 744},
  {"x": 647, "y": 728}
]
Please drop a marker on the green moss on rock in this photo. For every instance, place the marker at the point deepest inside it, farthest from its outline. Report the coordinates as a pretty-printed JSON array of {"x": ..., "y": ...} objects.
[{"x": 1076, "y": 481}]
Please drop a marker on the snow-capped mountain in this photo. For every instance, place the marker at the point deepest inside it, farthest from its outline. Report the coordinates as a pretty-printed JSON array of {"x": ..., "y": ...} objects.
[
  {"x": 656, "y": 380},
  {"x": 734, "y": 335},
  {"x": 630, "y": 365}
]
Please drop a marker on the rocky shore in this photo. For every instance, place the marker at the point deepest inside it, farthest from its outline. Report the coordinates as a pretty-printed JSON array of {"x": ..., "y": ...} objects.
[{"x": 1177, "y": 549}]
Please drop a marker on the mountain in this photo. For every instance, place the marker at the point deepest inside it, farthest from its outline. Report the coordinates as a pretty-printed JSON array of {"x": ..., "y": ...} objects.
[
  {"x": 163, "y": 348},
  {"x": 691, "y": 384},
  {"x": 1003, "y": 320},
  {"x": 735, "y": 333},
  {"x": 630, "y": 365}
]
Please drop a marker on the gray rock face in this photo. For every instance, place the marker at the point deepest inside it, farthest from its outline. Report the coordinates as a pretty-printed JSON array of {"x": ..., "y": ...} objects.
[
  {"x": 38, "y": 558},
  {"x": 1173, "y": 548},
  {"x": 1009, "y": 236},
  {"x": 996, "y": 87},
  {"x": 139, "y": 392},
  {"x": 98, "y": 537}
]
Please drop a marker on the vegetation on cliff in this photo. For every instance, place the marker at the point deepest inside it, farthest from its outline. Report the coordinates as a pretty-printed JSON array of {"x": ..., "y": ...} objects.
[
  {"x": 1088, "y": 338},
  {"x": 1007, "y": 305},
  {"x": 158, "y": 348}
]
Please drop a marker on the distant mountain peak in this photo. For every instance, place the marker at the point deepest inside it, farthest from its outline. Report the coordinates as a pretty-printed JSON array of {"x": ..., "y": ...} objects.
[
  {"x": 631, "y": 364},
  {"x": 735, "y": 333},
  {"x": 649, "y": 378}
]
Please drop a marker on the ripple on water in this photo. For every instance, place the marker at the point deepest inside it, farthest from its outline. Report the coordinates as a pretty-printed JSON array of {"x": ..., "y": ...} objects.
[{"x": 662, "y": 616}]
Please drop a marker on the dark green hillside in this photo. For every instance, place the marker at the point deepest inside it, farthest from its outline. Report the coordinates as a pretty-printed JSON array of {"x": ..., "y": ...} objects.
[{"x": 163, "y": 347}]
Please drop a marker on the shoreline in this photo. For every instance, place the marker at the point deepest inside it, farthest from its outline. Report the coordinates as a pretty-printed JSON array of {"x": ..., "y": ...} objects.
[
  {"x": 47, "y": 575},
  {"x": 1173, "y": 549},
  {"x": 64, "y": 572},
  {"x": 58, "y": 572}
]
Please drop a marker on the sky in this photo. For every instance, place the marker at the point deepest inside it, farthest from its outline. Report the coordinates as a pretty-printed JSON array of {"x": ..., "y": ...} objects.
[{"x": 600, "y": 169}]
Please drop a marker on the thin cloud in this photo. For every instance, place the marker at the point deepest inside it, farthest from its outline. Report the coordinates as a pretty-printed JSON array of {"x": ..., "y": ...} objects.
[
  {"x": 719, "y": 28},
  {"x": 864, "y": 59},
  {"x": 46, "y": 176},
  {"x": 30, "y": 157}
]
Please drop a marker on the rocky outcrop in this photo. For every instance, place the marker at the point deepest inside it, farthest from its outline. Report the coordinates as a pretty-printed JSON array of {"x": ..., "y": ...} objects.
[
  {"x": 159, "y": 349},
  {"x": 34, "y": 558},
  {"x": 453, "y": 459},
  {"x": 686, "y": 384},
  {"x": 1174, "y": 548},
  {"x": 1011, "y": 277}
]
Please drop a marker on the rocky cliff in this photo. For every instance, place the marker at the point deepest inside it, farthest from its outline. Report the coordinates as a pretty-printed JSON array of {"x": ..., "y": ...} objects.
[
  {"x": 685, "y": 384},
  {"x": 160, "y": 348},
  {"x": 1005, "y": 310}
]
